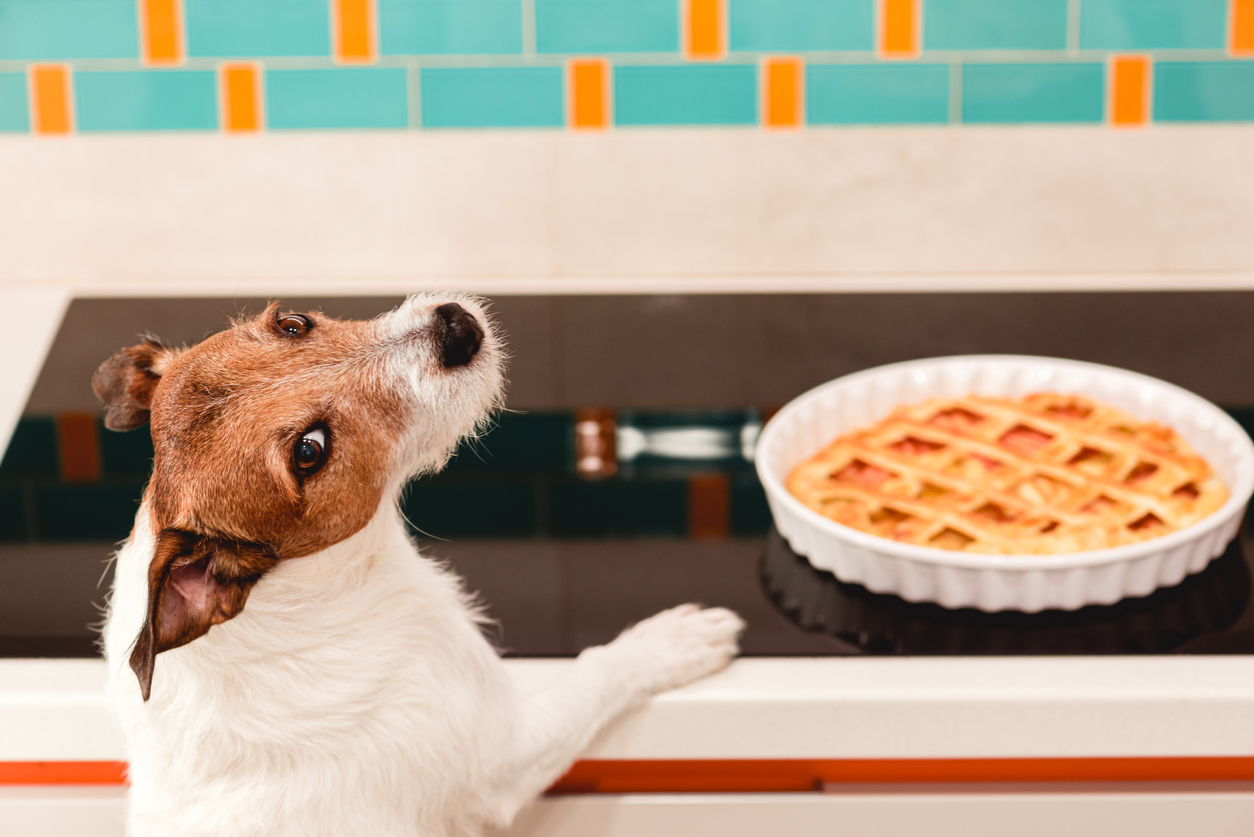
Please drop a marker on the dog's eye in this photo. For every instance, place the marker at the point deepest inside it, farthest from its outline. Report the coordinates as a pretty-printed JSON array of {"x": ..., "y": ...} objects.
[
  {"x": 295, "y": 324},
  {"x": 310, "y": 451}
]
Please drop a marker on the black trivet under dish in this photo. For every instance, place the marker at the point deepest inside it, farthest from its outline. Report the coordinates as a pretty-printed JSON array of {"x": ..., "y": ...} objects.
[{"x": 1202, "y": 614}]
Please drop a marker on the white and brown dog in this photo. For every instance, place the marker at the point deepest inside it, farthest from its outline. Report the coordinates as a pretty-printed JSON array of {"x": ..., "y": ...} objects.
[{"x": 317, "y": 675}]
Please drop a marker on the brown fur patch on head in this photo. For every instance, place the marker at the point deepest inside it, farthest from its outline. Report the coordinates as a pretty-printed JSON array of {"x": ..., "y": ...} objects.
[
  {"x": 229, "y": 494},
  {"x": 229, "y": 412}
]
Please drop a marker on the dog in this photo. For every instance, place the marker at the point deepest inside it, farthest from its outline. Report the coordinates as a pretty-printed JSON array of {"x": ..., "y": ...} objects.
[{"x": 282, "y": 659}]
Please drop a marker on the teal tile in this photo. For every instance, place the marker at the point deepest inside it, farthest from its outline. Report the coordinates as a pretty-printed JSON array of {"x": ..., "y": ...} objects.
[
  {"x": 358, "y": 97},
  {"x": 12, "y": 514},
  {"x": 126, "y": 454},
  {"x": 1061, "y": 92},
  {"x": 617, "y": 508},
  {"x": 607, "y": 26},
  {"x": 852, "y": 94},
  {"x": 484, "y": 508},
  {"x": 62, "y": 30},
  {"x": 89, "y": 512},
  {"x": 995, "y": 24},
  {"x": 519, "y": 442},
  {"x": 14, "y": 109},
  {"x": 1204, "y": 91},
  {"x": 450, "y": 27},
  {"x": 146, "y": 100},
  {"x": 1153, "y": 24},
  {"x": 257, "y": 28},
  {"x": 801, "y": 25},
  {"x": 32, "y": 450},
  {"x": 706, "y": 94},
  {"x": 492, "y": 97}
]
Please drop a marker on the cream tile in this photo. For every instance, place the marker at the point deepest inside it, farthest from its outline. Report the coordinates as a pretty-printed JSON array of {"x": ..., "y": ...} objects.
[
  {"x": 926, "y": 201},
  {"x": 345, "y": 209}
]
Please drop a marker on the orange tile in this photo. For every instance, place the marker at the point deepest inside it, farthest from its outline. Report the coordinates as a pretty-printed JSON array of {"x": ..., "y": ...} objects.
[
  {"x": 78, "y": 444},
  {"x": 240, "y": 86},
  {"x": 899, "y": 28},
  {"x": 705, "y": 41},
  {"x": 783, "y": 92},
  {"x": 50, "y": 98},
  {"x": 588, "y": 81},
  {"x": 1129, "y": 89},
  {"x": 354, "y": 41},
  {"x": 709, "y": 506},
  {"x": 1241, "y": 31},
  {"x": 161, "y": 22}
]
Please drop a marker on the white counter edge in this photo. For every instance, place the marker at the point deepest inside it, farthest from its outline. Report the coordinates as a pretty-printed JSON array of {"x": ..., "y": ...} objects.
[{"x": 836, "y": 708}]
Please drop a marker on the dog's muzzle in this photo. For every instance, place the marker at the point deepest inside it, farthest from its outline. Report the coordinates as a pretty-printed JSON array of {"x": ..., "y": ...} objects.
[{"x": 458, "y": 334}]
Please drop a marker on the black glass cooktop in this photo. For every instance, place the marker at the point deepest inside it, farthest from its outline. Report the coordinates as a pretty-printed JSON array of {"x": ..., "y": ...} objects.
[
  {"x": 1208, "y": 612},
  {"x": 553, "y": 598}
]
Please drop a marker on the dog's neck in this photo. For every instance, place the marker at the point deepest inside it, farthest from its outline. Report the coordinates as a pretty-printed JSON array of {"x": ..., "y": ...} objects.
[{"x": 304, "y": 603}]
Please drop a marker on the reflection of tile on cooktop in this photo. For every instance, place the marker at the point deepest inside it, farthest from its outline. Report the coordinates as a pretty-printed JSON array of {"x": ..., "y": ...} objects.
[{"x": 1167, "y": 620}]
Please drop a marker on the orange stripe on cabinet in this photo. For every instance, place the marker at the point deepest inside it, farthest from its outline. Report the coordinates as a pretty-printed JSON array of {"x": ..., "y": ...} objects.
[
  {"x": 704, "y": 39},
  {"x": 801, "y": 775},
  {"x": 354, "y": 37},
  {"x": 50, "y": 98},
  {"x": 589, "y": 85},
  {"x": 161, "y": 23},
  {"x": 765, "y": 775},
  {"x": 1129, "y": 90},
  {"x": 62, "y": 772},
  {"x": 899, "y": 28},
  {"x": 1241, "y": 27},
  {"x": 241, "y": 97},
  {"x": 783, "y": 92}
]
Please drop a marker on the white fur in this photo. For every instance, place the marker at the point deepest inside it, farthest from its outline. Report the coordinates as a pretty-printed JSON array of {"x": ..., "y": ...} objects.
[{"x": 355, "y": 694}]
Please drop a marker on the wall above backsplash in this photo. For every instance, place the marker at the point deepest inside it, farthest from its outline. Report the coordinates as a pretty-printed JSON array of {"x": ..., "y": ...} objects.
[{"x": 86, "y": 66}]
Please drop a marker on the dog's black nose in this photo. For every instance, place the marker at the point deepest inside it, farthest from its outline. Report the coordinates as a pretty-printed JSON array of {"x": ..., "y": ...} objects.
[{"x": 458, "y": 333}]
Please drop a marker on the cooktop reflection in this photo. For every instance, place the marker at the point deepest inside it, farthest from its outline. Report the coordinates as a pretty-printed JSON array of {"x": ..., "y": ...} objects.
[{"x": 1206, "y": 613}]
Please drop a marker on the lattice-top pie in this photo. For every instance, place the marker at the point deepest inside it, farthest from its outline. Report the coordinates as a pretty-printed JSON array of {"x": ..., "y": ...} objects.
[{"x": 1050, "y": 473}]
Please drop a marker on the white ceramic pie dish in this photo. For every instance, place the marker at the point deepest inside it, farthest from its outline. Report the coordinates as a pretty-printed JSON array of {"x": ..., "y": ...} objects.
[{"x": 1027, "y": 583}]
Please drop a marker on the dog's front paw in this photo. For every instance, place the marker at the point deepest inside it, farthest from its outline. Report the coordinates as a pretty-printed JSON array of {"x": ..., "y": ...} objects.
[{"x": 679, "y": 645}]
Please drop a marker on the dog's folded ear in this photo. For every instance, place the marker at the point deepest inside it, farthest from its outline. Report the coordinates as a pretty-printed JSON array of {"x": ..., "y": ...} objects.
[
  {"x": 194, "y": 583},
  {"x": 125, "y": 383}
]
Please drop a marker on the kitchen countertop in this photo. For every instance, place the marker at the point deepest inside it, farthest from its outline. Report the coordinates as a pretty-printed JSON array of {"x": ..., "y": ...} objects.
[{"x": 804, "y": 708}]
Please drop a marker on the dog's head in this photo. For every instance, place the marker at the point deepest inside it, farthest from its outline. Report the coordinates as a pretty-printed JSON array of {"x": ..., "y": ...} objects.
[{"x": 282, "y": 436}]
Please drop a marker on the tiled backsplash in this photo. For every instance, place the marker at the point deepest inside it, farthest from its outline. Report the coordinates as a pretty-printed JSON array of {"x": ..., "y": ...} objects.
[{"x": 244, "y": 65}]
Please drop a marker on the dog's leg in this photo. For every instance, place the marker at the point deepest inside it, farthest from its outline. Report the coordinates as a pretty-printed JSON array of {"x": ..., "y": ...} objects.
[{"x": 667, "y": 650}]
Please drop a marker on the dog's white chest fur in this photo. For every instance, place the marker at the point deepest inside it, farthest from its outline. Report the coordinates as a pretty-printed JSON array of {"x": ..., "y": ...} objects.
[{"x": 354, "y": 695}]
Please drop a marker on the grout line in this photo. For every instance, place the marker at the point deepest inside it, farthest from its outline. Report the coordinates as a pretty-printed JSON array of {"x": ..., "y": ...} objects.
[
  {"x": 1073, "y": 27},
  {"x": 529, "y": 28},
  {"x": 413, "y": 90},
  {"x": 554, "y": 206},
  {"x": 632, "y": 59},
  {"x": 955, "y": 92}
]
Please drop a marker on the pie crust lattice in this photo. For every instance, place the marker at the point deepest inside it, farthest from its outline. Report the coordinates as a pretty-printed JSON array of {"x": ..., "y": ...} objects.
[{"x": 1047, "y": 474}]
